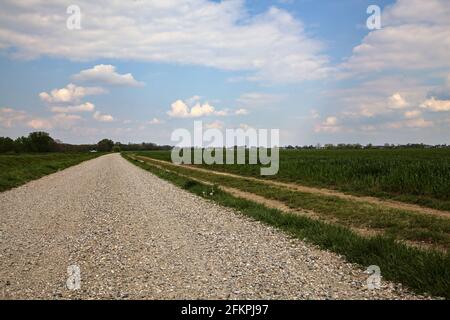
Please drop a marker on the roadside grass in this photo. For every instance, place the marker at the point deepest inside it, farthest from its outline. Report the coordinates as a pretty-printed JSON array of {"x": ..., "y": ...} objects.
[
  {"x": 424, "y": 271},
  {"x": 419, "y": 176},
  {"x": 421, "y": 229},
  {"x": 16, "y": 170}
]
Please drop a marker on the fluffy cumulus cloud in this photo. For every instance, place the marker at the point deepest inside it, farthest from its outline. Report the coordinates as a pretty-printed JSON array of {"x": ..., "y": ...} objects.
[
  {"x": 241, "y": 111},
  {"x": 385, "y": 102},
  {"x": 412, "y": 114},
  {"x": 71, "y": 93},
  {"x": 181, "y": 109},
  {"x": 436, "y": 105},
  {"x": 84, "y": 107},
  {"x": 414, "y": 123},
  {"x": 106, "y": 74},
  {"x": 40, "y": 124},
  {"x": 329, "y": 125},
  {"x": 415, "y": 35},
  {"x": 222, "y": 35},
  {"x": 103, "y": 117},
  {"x": 330, "y": 121},
  {"x": 396, "y": 101},
  {"x": 10, "y": 117}
]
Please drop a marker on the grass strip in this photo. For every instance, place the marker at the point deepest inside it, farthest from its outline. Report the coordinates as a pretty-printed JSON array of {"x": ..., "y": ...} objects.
[{"x": 16, "y": 170}]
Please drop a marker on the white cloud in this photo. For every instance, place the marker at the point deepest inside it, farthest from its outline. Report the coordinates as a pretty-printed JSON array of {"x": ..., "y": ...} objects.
[
  {"x": 10, "y": 117},
  {"x": 61, "y": 120},
  {"x": 106, "y": 74},
  {"x": 436, "y": 105},
  {"x": 413, "y": 123},
  {"x": 396, "y": 101},
  {"x": 84, "y": 107},
  {"x": 179, "y": 109},
  {"x": 330, "y": 125},
  {"x": 415, "y": 35},
  {"x": 241, "y": 111},
  {"x": 66, "y": 121},
  {"x": 204, "y": 109},
  {"x": 272, "y": 46},
  {"x": 214, "y": 125},
  {"x": 379, "y": 98},
  {"x": 71, "y": 93},
  {"x": 155, "y": 121},
  {"x": 103, "y": 117},
  {"x": 39, "y": 124},
  {"x": 412, "y": 114},
  {"x": 330, "y": 121}
]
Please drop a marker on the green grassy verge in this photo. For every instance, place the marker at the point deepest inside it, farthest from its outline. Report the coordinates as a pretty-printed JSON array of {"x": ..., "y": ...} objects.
[
  {"x": 419, "y": 176},
  {"x": 16, "y": 170},
  {"x": 423, "y": 271},
  {"x": 399, "y": 224}
]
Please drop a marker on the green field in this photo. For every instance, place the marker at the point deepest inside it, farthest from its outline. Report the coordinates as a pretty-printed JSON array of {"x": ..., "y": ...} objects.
[
  {"x": 420, "y": 176},
  {"x": 16, "y": 170}
]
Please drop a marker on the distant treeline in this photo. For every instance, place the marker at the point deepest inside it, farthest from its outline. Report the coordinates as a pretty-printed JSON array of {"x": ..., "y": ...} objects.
[
  {"x": 369, "y": 146},
  {"x": 43, "y": 142}
]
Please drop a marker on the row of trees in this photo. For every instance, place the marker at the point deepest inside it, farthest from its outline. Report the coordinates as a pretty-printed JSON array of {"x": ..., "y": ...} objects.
[
  {"x": 369, "y": 146},
  {"x": 35, "y": 142},
  {"x": 43, "y": 142}
]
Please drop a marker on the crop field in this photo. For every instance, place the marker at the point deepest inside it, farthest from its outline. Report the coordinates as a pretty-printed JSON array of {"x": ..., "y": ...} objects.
[
  {"x": 420, "y": 176},
  {"x": 16, "y": 170}
]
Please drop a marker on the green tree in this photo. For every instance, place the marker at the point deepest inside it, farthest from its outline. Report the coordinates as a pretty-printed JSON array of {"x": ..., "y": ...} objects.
[
  {"x": 105, "y": 145},
  {"x": 21, "y": 144},
  {"x": 40, "y": 142},
  {"x": 6, "y": 144}
]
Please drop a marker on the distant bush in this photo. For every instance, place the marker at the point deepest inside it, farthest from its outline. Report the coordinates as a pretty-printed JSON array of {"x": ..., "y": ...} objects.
[
  {"x": 105, "y": 145},
  {"x": 6, "y": 145}
]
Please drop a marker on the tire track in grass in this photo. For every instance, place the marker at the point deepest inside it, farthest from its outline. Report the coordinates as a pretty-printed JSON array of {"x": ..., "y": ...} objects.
[{"x": 321, "y": 191}]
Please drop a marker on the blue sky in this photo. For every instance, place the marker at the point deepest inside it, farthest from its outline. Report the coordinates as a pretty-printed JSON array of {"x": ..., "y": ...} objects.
[{"x": 137, "y": 71}]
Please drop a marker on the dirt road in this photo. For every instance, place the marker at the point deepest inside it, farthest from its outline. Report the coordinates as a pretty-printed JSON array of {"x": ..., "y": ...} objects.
[{"x": 133, "y": 235}]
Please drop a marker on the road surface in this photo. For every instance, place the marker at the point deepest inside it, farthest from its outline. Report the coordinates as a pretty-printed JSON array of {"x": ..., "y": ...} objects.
[{"x": 132, "y": 235}]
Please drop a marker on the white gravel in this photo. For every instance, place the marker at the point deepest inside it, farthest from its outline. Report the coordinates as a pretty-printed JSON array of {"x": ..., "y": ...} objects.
[{"x": 136, "y": 236}]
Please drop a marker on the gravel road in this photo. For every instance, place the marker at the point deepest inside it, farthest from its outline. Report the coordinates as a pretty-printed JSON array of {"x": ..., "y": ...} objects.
[{"x": 135, "y": 236}]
